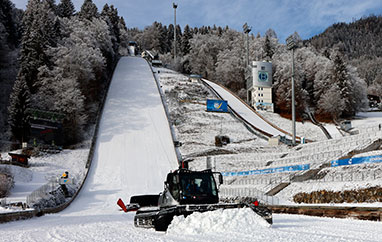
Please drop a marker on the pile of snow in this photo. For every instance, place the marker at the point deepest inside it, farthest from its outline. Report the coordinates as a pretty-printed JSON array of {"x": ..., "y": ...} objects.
[{"x": 228, "y": 221}]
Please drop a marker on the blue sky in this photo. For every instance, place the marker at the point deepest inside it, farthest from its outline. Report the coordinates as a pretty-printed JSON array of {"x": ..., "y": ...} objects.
[{"x": 307, "y": 17}]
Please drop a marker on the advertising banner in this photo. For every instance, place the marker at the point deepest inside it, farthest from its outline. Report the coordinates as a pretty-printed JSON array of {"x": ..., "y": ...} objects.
[
  {"x": 217, "y": 106},
  {"x": 357, "y": 160},
  {"x": 269, "y": 170}
]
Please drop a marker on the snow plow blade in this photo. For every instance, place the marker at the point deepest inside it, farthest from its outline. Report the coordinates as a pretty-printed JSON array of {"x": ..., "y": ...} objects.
[
  {"x": 122, "y": 205},
  {"x": 160, "y": 219},
  {"x": 137, "y": 202}
]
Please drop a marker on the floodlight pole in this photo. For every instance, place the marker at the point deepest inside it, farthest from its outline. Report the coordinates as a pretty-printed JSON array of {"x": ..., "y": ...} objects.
[
  {"x": 246, "y": 30},
  {"x": 291, "y": 45},
  {"x": 174, "y": 5},
  {"x": 293, "y": 102}
]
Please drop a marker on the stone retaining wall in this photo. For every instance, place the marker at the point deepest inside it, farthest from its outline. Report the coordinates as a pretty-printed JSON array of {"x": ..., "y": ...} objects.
[{"x": 366, "y": 195}]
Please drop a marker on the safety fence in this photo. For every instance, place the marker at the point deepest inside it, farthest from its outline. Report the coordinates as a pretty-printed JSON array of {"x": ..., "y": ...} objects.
[
  {"x": 264, "y": 180},
  {"x": 370, "y": 128},
  {"x": 344, "y": 144},
  {"x": 42, "y": 192},
  {"x": 311, "y": 158},
  {"x": 346, "y": 141},
  {"x": 166, "y": 109},
  {"x": 268, "y": 170},
  {"x": 287, "y": 160},
  {"x": 46, "y": 191},
  {"x": 229, "y": 192}
]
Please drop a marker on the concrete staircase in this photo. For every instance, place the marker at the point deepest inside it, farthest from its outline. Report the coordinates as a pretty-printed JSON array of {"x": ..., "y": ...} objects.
[{"x": 277, "y": 189}]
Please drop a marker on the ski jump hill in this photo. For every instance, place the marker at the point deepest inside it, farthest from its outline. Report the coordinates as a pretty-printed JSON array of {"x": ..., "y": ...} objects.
[
  {"x": 245, "y": 112},
  {"x": 134, "y": 151}
]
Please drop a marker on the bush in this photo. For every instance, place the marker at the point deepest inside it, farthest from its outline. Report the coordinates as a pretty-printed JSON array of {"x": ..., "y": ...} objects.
[{"x": 6, "y": 182}]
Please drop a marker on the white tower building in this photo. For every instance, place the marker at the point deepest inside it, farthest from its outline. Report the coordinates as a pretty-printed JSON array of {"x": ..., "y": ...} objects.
[{"x": 259, "y": 85}]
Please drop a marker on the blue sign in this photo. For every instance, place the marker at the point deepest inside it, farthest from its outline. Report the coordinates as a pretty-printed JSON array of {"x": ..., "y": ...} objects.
[
  {"x": 217, "y": 105},
  {"x": 263, "y": 76},
  {"x": 357, "y": 160},
  {"x": 269, "y": 170}
]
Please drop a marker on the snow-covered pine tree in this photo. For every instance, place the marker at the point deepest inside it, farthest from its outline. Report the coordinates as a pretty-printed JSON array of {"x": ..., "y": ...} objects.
[
  {"x": 124, "y": 37},
  {"x": 170, "y": 38},
  {"x": 271, "y": 34},
  {"x": 178, "y": 40},
  {"x": 150, "y": 38},
  {"x": 9, "y": 18},
  {"x": 10, "y": 36},
  {"x": 340, "y": 77},
  {"x": 65, "y": 9},
  {"x": 52, "y": 5},
  {"x": 163, "y": 39},
  {"x": 30, "y": 45},
  {"x": 39, "y": 33},
  {"x": 112, "y": 14},
  {"x": 88, "y": 10},
  {"x": 187, "y": 35},
  {"x": 18, "y": 104},
  {"x": 268, "y": 49}
]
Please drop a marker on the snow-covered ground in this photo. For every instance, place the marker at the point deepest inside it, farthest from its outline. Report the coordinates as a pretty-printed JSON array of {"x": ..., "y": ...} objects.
[
  {"x": 133, "y": 154},
  {"x": 196, "y": 128},
  {"x": 305, "y": 129},
  {"x": 114, "y": 226},
  {"x": 43, "y": 169},
  {"x": 363, "y": 119}
]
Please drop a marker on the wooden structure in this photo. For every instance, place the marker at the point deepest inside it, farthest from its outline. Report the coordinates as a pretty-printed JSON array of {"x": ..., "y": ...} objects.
[{"x": 19, "y": 159}]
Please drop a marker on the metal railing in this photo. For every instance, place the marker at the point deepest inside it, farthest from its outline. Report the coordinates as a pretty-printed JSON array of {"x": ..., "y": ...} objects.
[
  {"x": 229, "y": 192},
  {"x": 45, "y": 191},
  {"x": 42, "y": 192}
]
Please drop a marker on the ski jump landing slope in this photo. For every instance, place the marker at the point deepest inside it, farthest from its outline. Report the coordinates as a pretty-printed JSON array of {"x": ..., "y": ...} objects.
[
  {"x": 247, "y": 113},
  {"x": 134, "y": 150}
]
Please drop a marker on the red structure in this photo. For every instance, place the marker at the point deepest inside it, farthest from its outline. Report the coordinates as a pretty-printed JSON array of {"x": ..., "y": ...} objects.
[{"x": 19, "y": 159}]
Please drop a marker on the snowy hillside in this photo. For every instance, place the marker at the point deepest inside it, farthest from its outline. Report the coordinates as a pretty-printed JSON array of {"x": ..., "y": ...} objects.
[{"x": 196, "y": 129}]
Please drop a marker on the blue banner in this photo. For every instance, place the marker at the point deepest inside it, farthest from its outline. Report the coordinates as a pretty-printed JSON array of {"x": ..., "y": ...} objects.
[
  {"x": 217, "y": 105},
  {"x": 357, "y": 160},
  {"x": 269, "y": 170}
]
